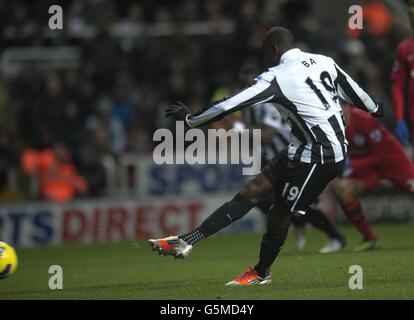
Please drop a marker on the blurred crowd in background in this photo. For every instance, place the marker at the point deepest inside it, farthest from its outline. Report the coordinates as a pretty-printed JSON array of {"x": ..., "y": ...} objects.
[{"x": 139, "y": 56}]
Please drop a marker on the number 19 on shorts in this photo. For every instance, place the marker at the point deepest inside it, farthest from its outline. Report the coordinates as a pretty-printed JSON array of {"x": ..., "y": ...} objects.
[{"x": 290, "y": 192}]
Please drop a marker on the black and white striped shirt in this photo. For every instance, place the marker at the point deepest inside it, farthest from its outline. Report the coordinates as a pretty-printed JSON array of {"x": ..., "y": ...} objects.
[
  {"x": 305, "y": 88},
  {"x": 266, "y": 114}
]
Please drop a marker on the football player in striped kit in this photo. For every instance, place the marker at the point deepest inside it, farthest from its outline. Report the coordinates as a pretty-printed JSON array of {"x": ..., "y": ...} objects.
[
  {"x": 276, "y": 135},
  {"x": 306, "y": 89}
]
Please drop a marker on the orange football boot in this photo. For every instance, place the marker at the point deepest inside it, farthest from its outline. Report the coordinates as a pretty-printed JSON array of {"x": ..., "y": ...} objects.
[{"x": 249, "y": 277}]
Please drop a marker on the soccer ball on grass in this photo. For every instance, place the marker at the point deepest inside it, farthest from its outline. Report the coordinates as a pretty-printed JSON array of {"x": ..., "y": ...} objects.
[{"x": 8, "y": 260}]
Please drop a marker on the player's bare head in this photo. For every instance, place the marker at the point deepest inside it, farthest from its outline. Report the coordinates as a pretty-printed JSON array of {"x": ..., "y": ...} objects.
[
  {"x": 411, "y": 12},
  {"x": 277, "y": 41}
]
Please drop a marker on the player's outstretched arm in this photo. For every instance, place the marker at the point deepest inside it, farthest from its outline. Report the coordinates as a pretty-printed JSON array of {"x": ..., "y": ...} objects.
[
  {"x": 352, "y": 93},
  {"x": 261, "y": 91}
]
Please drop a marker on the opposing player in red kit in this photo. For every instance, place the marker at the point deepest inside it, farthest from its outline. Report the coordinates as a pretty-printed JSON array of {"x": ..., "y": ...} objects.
[
  {"x": 403, "y": 85},
  {"x": 374, "y": 154}
]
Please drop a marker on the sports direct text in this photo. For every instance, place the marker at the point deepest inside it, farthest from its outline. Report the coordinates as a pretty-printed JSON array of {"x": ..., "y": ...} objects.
[{"x": 212, "y": 146}]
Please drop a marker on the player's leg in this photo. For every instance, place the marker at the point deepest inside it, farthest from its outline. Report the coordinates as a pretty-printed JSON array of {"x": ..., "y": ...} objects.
[
  {"x": 233, "y": 210},
  {"x": 319, "y": 221},
  {"x": 265, "y": 204},
  {"x": 298, "y": 222},
  {"x": 251, "y": 193},
  {"x": 304, "y": 185},
  {"x": 316, "y": 218},
  {"x": 297, "y": 185},
  {"x": 271, "y": 244},
  {"x": 277, "y": 229},
  {"x": 400, "y": 170},
  {"x": 347, "y": 190}
]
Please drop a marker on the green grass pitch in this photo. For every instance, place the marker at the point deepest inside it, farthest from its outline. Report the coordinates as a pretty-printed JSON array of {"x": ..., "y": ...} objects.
[{"x": 132, "y": 271}]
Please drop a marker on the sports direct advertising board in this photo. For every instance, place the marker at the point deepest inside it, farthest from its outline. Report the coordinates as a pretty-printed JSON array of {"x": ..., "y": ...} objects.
[
  {"x": 92, "y": 221},
  {"x": 34, "y": 224},
  {"x": 170, "y": 200}
]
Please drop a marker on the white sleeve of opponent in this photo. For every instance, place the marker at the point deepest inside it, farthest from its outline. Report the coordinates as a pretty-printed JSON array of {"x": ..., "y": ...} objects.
[{"x": 272, "y": 117}]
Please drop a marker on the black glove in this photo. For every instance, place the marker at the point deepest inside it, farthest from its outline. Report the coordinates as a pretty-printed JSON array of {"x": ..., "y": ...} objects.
[
  {"x": 177, "y": 110},
  {"x": 380, "y": 111}
]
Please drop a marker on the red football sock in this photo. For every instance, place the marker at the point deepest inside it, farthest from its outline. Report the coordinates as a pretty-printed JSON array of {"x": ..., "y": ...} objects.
[{"x": 355, "y": 215}]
